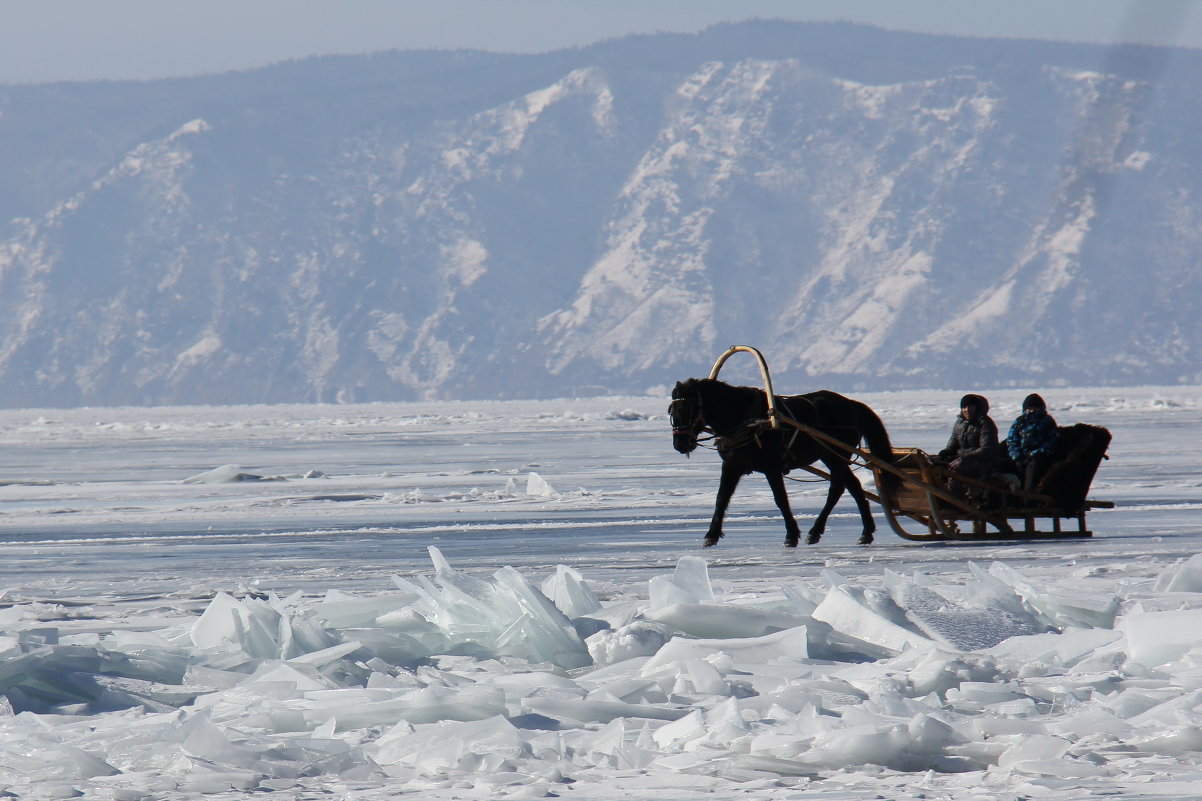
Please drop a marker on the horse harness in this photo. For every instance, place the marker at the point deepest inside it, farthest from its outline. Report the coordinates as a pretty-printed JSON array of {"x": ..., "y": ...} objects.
[{"x": 748, "y": 431}]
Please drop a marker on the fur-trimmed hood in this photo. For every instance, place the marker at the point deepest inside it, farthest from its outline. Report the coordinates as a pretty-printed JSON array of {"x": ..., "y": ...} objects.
[{"x": 980, "y": 401}]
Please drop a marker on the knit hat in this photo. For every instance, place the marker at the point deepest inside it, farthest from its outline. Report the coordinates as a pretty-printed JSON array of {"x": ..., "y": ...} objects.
[{"x": 1033, "y": 401}]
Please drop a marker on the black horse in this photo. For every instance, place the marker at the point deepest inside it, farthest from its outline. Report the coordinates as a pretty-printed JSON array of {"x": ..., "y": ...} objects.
[{"x": 736, "y": 416}]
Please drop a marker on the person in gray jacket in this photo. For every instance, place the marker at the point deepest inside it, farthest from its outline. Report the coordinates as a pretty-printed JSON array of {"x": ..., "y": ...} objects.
[{"x": 973, "y": 449}]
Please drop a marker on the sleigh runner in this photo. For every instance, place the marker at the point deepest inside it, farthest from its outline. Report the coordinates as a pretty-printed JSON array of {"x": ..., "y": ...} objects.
[{"x": 914, "y": 489}]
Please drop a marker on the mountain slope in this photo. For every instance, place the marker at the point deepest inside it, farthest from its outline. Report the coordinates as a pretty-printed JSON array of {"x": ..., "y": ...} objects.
[{"x": 871, "y": 209}]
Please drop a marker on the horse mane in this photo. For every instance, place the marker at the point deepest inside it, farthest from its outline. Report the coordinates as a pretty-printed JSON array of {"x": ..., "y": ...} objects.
[
  {"x": 736, "y": 403},
  {"x": 711, "y": 385}
]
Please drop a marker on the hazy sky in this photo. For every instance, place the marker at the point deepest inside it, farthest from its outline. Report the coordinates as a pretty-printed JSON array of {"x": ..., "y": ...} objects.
[{"x": 43, "y": 40}]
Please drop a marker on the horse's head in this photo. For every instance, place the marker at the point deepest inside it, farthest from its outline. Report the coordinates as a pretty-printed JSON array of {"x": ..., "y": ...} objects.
[{"x": 685, "y": 414}]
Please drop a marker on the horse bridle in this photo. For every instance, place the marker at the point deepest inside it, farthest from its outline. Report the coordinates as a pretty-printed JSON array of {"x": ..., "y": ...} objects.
[
  {"x": 676, "y": 416},
  {"x": 695, "y": 423}
]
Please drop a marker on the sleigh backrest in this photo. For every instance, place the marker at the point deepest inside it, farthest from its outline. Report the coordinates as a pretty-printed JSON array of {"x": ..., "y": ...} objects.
[{"x": 1079, "y": 452}]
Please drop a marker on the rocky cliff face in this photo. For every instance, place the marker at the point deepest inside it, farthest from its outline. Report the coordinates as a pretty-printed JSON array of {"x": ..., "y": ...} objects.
[{"x": 869, "y": 209}]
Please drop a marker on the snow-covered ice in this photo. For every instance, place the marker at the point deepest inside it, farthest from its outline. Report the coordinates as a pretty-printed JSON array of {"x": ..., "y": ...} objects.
[{"x": 509, "y": 600}]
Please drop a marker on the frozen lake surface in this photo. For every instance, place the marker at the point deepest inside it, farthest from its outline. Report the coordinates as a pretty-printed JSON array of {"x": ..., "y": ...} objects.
[{"x": 338, "y": 653}]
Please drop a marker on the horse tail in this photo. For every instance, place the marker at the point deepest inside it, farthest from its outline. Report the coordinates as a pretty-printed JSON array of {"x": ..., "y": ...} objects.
[{"x": 872, "y": 429}]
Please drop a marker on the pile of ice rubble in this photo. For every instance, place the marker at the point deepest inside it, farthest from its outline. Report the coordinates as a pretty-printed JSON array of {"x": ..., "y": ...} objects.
[{"x": 458, "y": 681}]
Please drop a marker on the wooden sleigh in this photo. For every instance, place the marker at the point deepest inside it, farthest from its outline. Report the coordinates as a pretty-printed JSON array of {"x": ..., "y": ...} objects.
[
  {"x": 913, "y": 489},
  {"x": 920, "y": 494}
]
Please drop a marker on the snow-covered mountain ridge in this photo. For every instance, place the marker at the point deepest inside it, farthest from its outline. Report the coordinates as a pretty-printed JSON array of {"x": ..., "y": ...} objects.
[{"x": 870, "y": 209}]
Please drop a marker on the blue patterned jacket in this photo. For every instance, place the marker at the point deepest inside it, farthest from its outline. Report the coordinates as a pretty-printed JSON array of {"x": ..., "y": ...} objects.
[{"x": 1033, "y": 434}]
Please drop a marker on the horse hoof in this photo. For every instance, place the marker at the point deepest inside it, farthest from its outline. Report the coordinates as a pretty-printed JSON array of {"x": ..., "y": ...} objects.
[
  {"x": 813, "y": 538},
  {"x": 865, "y": 540},
  {"x": 791, "y": 541},
  {"x": 710, "y": 542}
]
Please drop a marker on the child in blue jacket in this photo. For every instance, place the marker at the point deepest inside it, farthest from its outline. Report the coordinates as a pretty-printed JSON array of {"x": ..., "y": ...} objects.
[{"x": 1032, "y": 441}]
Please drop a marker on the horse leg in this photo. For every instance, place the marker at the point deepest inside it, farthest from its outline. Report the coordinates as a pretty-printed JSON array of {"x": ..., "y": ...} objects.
[
  {"x": 848, "y": 479},
  {"x": 781, "y": 496},
  {"x": 726, "y": 488},
  {"x": 857, "y": 491},
  {"x": 837, "y": 484}
]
